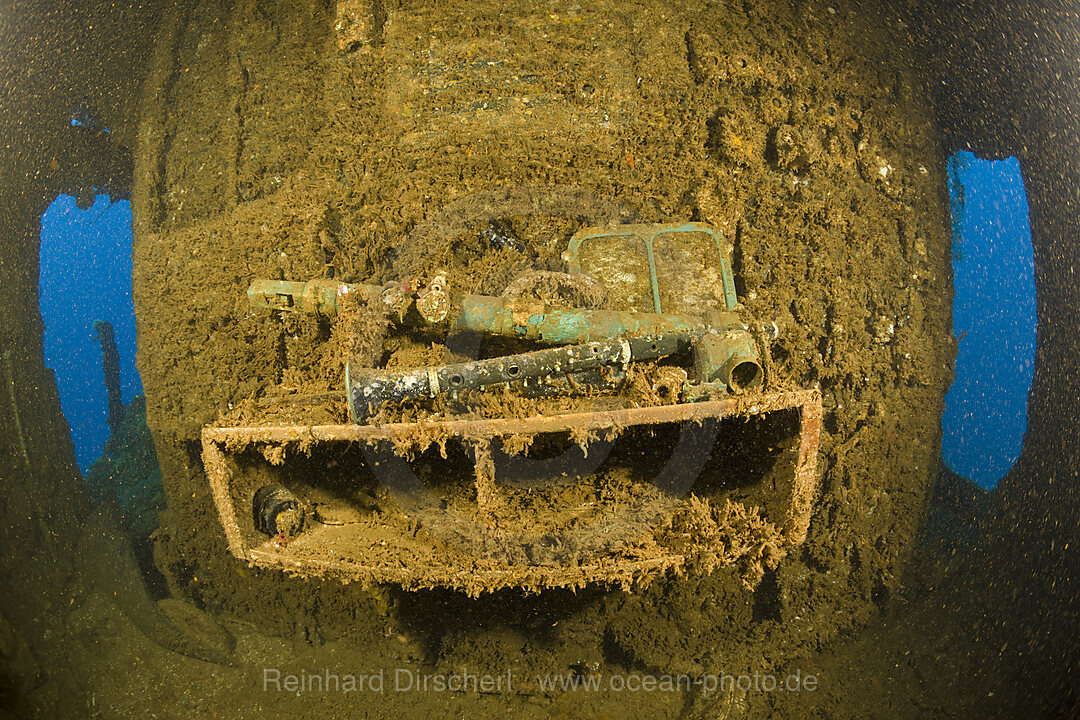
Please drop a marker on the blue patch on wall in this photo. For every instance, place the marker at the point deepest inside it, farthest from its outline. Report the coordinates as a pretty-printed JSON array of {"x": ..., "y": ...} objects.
[
  {"x": 993, "y": 318},
  {"x": 85, "y": 275}
]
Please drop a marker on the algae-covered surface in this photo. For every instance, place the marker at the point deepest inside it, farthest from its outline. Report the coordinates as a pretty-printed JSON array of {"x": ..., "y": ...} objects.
[
  {"x": 377, "y": 144},
  {"x": 128, "y": 471}
]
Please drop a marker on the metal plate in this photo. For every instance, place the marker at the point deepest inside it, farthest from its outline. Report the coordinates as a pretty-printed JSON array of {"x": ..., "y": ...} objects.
[{"x": 647, "y": 266}]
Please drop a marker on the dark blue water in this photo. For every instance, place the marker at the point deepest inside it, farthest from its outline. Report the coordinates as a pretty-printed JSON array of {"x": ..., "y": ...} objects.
[
  {"x": 993, "y": 317},
  {"x": 86, "y": 276}
]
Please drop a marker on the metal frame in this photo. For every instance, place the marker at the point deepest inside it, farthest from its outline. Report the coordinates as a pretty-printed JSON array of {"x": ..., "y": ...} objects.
[
  {"x": 647, "y": 233},
  {"x": 491, "y": 575}
]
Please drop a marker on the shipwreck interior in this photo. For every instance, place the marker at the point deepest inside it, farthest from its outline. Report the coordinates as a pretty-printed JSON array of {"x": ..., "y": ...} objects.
[{"x": 363, "y": 141}]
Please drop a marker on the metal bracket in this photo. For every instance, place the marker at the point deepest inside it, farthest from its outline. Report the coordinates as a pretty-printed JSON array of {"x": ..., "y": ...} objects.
[{"x": 647, "y": 234}]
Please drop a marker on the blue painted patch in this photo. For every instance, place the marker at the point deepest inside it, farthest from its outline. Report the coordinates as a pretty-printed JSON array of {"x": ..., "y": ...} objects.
[
  {"x": 993, "y": 316},
  {"x": 85, "y": 275}
]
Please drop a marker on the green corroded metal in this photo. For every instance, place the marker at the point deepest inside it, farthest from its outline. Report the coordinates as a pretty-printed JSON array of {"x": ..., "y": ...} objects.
[
  {"x": 317, "y": 297},
  {"x": 512, "y": 317},
  {"x": 483, "y": 313},
  {"x": 725, "y": 351},
  {"x": 533, "y": 320},
  {"x": 647, "y": 234},
  {"x": 729, "y": 357}
]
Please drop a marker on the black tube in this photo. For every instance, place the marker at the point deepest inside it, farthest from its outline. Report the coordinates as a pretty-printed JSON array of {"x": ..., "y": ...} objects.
[{"x": 370, "y": 389}]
